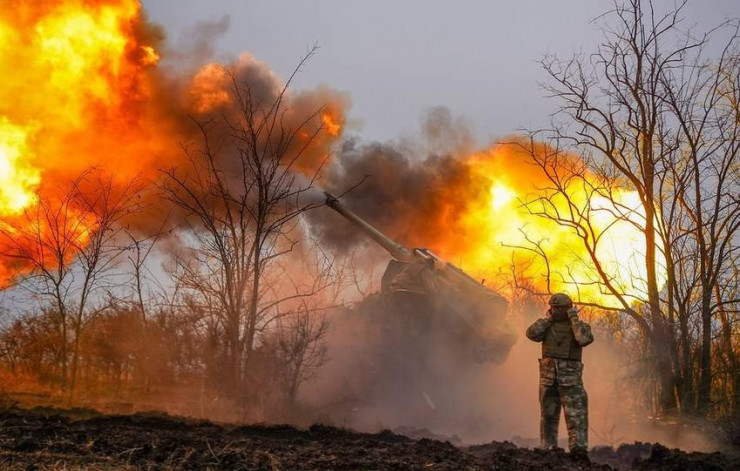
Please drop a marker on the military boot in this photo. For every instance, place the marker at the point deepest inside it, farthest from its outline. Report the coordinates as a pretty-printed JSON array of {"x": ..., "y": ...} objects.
[{"x": 580, "y": 455}]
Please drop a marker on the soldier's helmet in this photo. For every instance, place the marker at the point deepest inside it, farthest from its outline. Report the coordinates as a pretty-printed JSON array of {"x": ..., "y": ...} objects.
[{"x": 560, "y": 300}]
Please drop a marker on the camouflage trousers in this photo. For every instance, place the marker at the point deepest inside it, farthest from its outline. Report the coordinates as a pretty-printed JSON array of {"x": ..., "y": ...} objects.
[{"x": 561, "y": 386}]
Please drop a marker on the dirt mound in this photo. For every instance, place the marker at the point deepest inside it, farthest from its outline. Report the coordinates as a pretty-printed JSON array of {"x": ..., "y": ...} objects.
[
  {"x": 49, "y": 440},
  {"x": 649, "y": 457}
]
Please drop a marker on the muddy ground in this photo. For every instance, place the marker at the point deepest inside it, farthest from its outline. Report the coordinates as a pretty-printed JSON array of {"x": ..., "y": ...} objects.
[{"x": 45, "y": 439}]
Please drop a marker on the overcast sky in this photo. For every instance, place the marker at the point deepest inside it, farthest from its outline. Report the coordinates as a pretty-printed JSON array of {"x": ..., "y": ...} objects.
[{"x": 397, "y": 59}]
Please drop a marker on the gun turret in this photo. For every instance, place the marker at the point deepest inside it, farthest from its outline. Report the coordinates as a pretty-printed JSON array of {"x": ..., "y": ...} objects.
[{"x": 421, "y": 273}]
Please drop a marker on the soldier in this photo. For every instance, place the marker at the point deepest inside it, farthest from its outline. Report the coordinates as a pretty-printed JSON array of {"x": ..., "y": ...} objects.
[{"x": 563, "y": 337}]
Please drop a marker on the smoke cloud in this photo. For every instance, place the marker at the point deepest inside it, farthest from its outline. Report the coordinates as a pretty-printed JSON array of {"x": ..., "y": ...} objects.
[
  {"x": 423, "y": 389},
  {"x": 404, "y": 194}
]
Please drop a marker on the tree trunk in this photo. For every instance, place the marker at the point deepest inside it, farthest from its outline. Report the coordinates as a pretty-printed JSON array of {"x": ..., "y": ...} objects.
[
  {"x": 687, "y": 372},
  {"x": 675, "y": 361},
  {"x": 64, "y": 353},
  {"x": 235, "y": 353},
  {"x": 661, "y": 332},
  {"x": 705, "y": 362},
  {"x": 732, "y": 361},
  {"x": 75, "y": 361}
]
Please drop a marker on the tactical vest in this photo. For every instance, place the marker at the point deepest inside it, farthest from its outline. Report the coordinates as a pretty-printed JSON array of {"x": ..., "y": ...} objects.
[{"x": 561, "y": 343}]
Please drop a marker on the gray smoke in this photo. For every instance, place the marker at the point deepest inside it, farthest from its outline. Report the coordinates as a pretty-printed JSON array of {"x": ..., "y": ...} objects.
[{"x": 409, "y": 190}]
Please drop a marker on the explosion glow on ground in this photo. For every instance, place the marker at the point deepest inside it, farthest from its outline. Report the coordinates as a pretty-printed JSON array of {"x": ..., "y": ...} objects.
[{"x": 82, "y": 88}]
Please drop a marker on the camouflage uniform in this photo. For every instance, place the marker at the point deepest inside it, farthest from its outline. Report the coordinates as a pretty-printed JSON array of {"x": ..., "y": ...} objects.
[{"x": 561, "y": 383}]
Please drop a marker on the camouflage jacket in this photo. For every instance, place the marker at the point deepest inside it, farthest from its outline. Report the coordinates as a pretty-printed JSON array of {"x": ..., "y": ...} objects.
[
  {"x": 581, "y": 331},
  {"x": 565, "y": 372}
]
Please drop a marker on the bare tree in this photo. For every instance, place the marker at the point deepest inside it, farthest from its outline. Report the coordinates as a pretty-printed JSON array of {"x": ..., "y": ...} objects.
[
  {"x": 66, "y": 246},
  {"x": 300, "y": 349},
  {"x": 649, "y": 112},
  {"x": 702, "y": 98},
  {"x": 242, "y": 196},
  {"x": 108, "y": 204}
]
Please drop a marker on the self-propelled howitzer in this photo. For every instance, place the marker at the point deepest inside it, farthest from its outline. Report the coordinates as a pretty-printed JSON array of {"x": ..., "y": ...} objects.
[{"x": 419, "y": 284}]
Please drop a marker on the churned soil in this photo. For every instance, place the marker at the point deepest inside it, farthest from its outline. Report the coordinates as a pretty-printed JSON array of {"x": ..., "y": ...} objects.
[{"x": 38, "y": 439}]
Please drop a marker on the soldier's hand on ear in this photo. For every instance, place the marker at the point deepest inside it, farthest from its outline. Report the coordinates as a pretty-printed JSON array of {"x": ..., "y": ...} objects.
[{"x": 573, "y": 314}]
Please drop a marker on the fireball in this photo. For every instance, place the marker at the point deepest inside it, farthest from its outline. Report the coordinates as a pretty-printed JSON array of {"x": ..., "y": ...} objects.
[
  {"x": 506, "y": 237},
  {"x": 82, "y": 89}
]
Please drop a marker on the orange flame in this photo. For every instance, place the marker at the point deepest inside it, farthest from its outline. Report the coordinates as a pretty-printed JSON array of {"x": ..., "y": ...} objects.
[
  {"x": 18, "y": 178},
  {"x": 73, "y": 82},
  {"x": 81, "y": 89},
  {"x": 74, "y": 89},
  {"x": 494, "y": 232},
  {"x": 330, "y": 123}
]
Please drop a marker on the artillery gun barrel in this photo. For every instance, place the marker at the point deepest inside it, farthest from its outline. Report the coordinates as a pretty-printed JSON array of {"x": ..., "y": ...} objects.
[
  {"x": 401, "y": 253},
  {"x": 480, "y": 311},
  {"x": 397, "y": 251}
]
